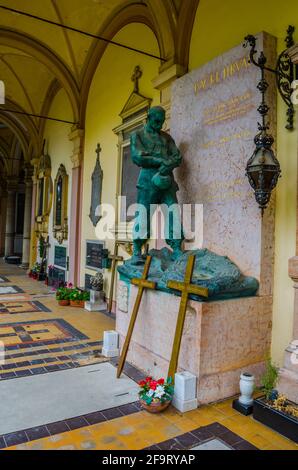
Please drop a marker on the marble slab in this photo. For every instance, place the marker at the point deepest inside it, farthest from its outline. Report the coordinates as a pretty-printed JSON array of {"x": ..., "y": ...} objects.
[
  {"x": 73, "y": 392},
  {"x": 213, "y": 444},
  {"x": 213, "y": 121}
]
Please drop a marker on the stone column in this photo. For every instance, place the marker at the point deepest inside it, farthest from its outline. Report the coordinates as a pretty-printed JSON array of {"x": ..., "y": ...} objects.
[
  {"x": 33, "y": 244},
  {"x": 77, "y": 137},
  {"x": 168, "y": 73},
  {"x": 288, "y": 375},
  {"x": 27, "y": 218},
  {"x": 3, "y": 203},
  {"x": 10, "y": 219}
]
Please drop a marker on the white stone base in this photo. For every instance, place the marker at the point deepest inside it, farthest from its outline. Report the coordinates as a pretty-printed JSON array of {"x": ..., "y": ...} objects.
[
  {"x": 221, "y": 339},
  {"x": 95, "y": 307},
  {"x": 110, "y": 352},
  {"x": 185, "y": 405},
  {"x": 110, "y": 344}
]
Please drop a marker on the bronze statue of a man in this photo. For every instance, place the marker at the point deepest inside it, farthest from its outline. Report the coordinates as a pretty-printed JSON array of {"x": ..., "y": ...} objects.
[{"x": 156, "y": 153}]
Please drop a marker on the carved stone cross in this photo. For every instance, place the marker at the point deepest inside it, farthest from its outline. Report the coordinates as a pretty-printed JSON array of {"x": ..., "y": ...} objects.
[{"x": 136, "y": 77}]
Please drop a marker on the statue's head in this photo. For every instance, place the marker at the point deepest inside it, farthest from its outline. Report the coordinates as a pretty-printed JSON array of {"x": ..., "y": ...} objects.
[{"x": 156, "y": 117}]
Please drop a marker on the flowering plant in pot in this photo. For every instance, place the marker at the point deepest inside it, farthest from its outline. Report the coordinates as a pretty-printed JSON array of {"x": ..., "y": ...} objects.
[
  {"x": 63, "y": 294},
  {"x": 35, "y": 270},
  {"x": 156, "y": 395},
  {"x": 78, "y": 297}
]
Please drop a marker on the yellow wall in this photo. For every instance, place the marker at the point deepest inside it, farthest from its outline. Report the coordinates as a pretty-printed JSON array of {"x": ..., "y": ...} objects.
[
  {"x": 219, "y": 26},
  {"x": 59, "y": 148},
  {"x": 109, "y": 91}
]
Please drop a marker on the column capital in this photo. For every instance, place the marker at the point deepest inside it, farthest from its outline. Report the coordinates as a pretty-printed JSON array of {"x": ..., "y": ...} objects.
[
  {"x": 34, "y": 162},
  {"x": 168, "y": 73},
  {"x": 77, "y": 137},
  {"x": 12, "y": 184},
  {"x": 29, "y": 170},
  {"x": 293, "y": 268}
]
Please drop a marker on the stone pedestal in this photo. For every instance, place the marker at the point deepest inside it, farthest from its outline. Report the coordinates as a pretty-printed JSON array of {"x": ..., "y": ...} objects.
[
  {"x": 185, "y": 392},
  {"x": 221, "y": 339},
  {"x": 110, "y": 344},
  {"x": 97, "y": 302},
  {"x": 288, "y": 375}
]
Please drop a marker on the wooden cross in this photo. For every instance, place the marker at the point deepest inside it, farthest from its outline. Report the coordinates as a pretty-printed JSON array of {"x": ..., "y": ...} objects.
[
  {"x": 185, "y": 288},
  {"x": 136, "y": 77},
  {"x": 142, "y": 283},
  {"x": 115, "y": 258}
]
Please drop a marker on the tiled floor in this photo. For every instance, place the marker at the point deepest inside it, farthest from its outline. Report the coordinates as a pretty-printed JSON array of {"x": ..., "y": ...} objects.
[{"x": 40, "y": 342}]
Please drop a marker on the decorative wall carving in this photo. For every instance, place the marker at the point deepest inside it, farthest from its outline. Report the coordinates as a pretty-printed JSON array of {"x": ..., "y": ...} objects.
[
  {"x": 97, "y": 177},
  {"x": 60, "y": 218}
]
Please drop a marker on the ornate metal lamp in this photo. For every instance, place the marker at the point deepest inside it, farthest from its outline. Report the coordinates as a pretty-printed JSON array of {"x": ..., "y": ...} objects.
[{"x": 263, "y": 169}]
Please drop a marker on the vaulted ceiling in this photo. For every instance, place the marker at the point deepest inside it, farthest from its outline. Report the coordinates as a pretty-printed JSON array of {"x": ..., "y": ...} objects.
[{"x": 37, "y": 58}]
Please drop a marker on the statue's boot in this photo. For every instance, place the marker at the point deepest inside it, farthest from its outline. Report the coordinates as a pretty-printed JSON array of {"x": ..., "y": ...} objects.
[
  {"x": 177, "y": 250},
  {"x": 137, "y": 257}
]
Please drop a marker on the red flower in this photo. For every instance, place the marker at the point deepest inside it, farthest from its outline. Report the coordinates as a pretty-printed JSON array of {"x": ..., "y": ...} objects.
[
  {"x": 161, "y": 381},
  {"x": 153, "y": 384},
  {"x": 148, "y": 379},
  {"x": 142, "y": 383}
]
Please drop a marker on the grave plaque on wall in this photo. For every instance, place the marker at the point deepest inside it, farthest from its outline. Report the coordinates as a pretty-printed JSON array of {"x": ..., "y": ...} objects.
[
  {"x": 94, "y": 254},
  {"x": 87, "y": 281},
  {"x": 56, "y": 277},
  {"x": 60, "y": 256},
  {"x": 130, "y": 174}
]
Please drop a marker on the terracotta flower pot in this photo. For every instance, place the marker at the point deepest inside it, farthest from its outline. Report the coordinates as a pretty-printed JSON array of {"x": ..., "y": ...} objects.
[
  {"x": 77, "y": 303},
  {"x": 63, "y": 302},
  {"x": 155, "y": 407}
]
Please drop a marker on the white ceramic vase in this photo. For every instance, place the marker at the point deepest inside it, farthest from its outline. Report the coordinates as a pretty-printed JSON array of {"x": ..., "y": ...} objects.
[{"x": 247, "y": 382}]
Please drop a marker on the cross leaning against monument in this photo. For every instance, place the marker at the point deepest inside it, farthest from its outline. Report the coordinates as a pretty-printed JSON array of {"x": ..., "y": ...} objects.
[{"x": 197, "y": 274}]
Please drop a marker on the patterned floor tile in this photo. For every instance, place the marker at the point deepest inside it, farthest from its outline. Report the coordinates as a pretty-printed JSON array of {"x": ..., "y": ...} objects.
[
  {"x": 18, "y": 307},
  {"x": 22, "y": 334},
  {"x": 4, "y": 290}
]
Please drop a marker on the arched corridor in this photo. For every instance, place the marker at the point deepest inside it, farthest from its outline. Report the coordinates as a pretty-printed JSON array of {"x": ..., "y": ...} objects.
[{"x": 108, "y": 104}]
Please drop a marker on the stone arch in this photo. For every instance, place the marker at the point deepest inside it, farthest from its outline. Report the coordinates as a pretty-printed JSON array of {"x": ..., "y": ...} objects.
[
  {"x": 54, "y": 88},
  {"x": 18, "y": 132},
  {"x": 133, "y": 13},
  {"x": 26, "y": 125},
  {"x": 43, "y": 54},
  {"x": 185, "y": 24}
]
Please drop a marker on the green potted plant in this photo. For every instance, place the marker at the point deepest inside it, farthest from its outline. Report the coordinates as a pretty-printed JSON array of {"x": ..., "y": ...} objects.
[
  {"x": 63, "y": 295},
  {"x": 268, "y": 380},
  {"x": 78, "y": 297},
  {"x": 156, "y": 395},
  {"x": 274, "y": 410}
]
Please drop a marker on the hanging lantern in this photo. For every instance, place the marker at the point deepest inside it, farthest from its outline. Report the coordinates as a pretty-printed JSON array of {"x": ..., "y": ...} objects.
[{"x": 263, "y": 169}]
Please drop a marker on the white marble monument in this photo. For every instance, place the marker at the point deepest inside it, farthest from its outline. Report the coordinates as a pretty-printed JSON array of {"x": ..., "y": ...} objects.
[{"x": 213, "y": 121}]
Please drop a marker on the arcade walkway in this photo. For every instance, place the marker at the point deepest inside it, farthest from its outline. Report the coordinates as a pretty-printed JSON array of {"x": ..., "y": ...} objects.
[{"x": 58, "y": 392}]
